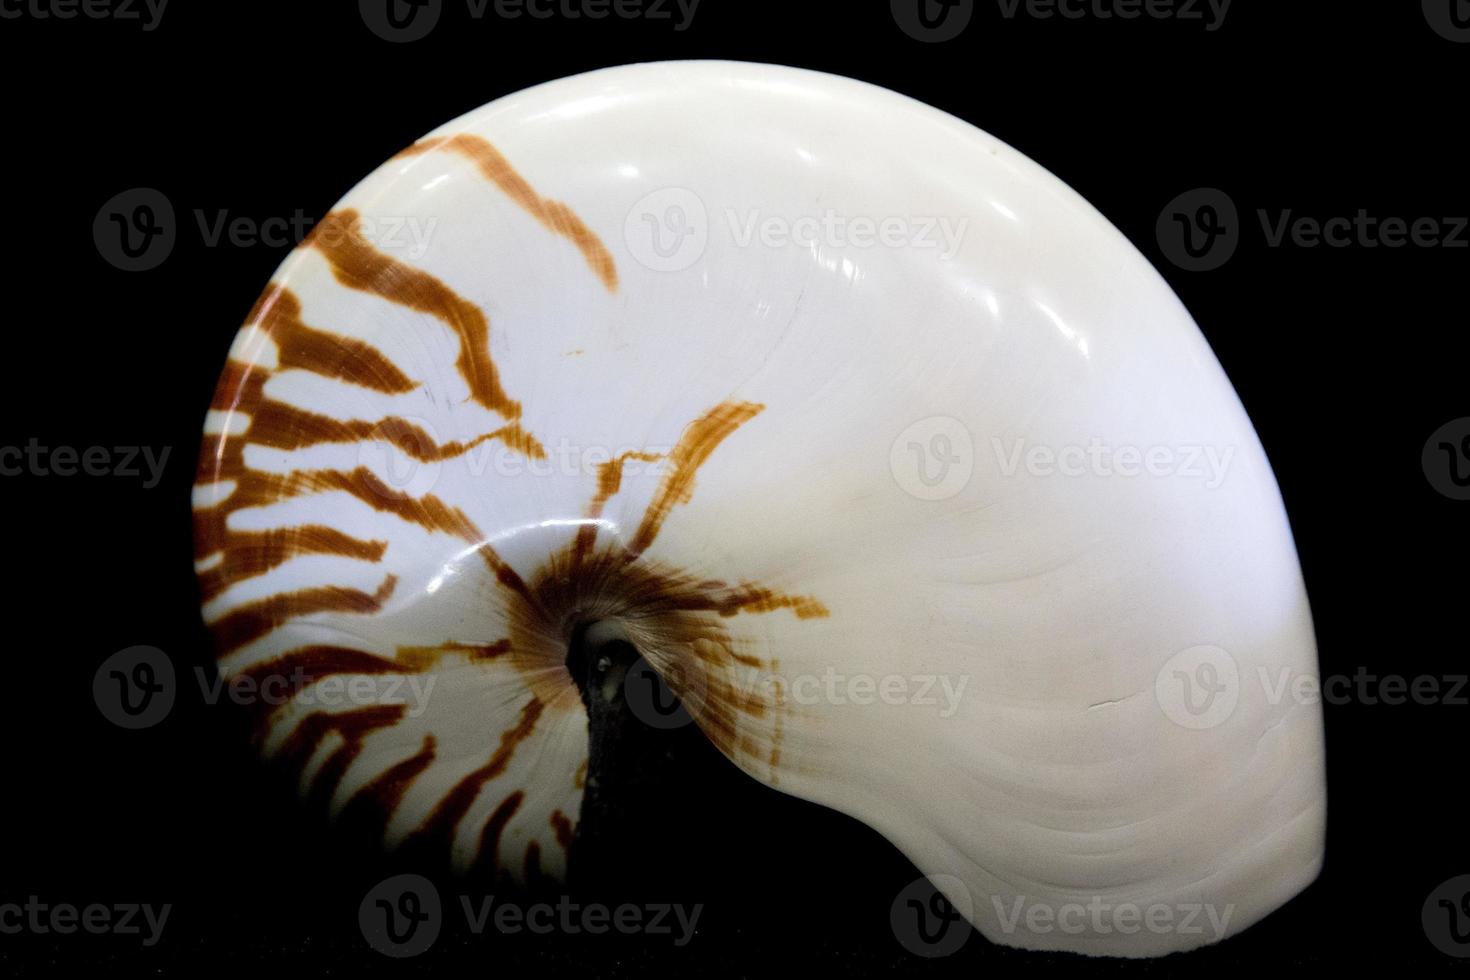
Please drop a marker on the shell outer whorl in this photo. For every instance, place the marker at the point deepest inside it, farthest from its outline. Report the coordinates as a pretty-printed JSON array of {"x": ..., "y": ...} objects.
[{"x": 751, "y": 522}]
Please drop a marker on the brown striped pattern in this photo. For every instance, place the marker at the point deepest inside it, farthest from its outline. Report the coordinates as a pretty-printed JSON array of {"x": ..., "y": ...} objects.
[
  {"x": 556, "y": 216},
  {"x": 375, "y": 764}
]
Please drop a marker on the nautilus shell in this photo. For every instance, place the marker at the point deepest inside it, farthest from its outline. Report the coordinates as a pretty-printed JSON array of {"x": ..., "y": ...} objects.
[{"x": 550, "y": 369}]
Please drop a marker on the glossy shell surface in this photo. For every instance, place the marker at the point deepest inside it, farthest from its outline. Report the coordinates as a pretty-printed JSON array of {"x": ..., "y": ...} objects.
[{"x": 899, "y": 463}]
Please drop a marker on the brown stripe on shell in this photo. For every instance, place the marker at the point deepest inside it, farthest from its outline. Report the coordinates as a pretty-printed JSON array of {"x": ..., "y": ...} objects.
[
  {"x": 556, "y": 216},
  {"x": 252, "y": 553},
  {"x": 531, "y": 872},
  {"x": 353, "y": 726},
  {"x": 609, "y": 482},
  {"x": 277, "y": 425},
  {"x": 357, "y": 264},
  {"x": 422, "y": 659},
  {"x": 305, "y": 348},
  {"x": 309, "y": 664},
  {"x": 375, "y": 803},
  {"x": 562, "y": 827},
  {"x": 257, "y": 489},
  {"x": 490, "y": 837},
  {"x": 438, "y": 829},
  {"x": 253, "y": 620},
  {"x": 699, "y": 440}
]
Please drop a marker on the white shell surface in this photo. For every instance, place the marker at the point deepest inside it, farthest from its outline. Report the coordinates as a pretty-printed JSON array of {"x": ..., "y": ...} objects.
[{"x": 994, "y": 560}]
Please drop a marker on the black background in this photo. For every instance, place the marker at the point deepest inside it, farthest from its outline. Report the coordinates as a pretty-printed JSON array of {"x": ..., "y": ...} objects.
[{"x": 1346, "y": 359}]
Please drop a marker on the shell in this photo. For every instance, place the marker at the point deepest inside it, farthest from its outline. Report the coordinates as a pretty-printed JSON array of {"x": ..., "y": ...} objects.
[{"x": 483, "y": 406}]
